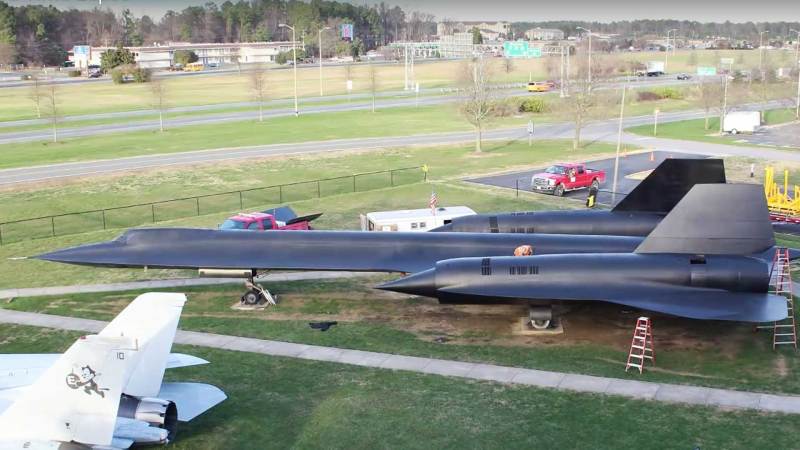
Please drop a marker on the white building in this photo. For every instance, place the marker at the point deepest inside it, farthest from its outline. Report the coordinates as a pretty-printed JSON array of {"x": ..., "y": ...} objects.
[
  {"x": 492, "y": 29},
  {"x": 544, "y": 34},
  {"x": 456, "y": 45},
  {"x": 163, "y": 56}
]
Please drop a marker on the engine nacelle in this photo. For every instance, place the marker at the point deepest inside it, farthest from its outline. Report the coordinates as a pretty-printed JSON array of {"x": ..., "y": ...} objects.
[{"x": 161, "y": 416}]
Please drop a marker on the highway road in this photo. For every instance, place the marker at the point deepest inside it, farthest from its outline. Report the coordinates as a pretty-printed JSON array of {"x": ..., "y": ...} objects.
[
  {"x": 595, "y": 131},
  {"x": 279, "y": 108}
]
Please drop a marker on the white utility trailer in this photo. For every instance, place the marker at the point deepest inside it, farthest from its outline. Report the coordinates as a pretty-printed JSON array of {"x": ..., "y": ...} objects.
[
  {"x": 741, "y": 122},
  {"x": 412, "y": 219}
]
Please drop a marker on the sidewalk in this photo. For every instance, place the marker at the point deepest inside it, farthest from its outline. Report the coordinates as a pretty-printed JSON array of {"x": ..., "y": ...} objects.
[
  {"x": 161, "y": 284},
  {"x": 642, "y": 390}
]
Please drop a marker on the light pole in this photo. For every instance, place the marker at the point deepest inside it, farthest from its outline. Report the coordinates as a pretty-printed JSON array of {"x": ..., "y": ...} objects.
[
  {"x": 761, "y": 53},
  {"x": 320, "y": 58},
  {"x": 589, "y": 32},
  {"x": 796, "y": 47},
  {"x": 294, "y": 58},
  {"x": 724, "y": 110},
  {"x": 666, "y": 49},
  {"x": 619, "y": 145}
]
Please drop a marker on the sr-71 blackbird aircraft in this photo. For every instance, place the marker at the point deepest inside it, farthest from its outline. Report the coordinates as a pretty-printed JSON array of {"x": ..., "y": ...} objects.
[
  {"x": 636, "y": 215},
  {"x": 707, "y": 259},
  {"x": 106, "y": 391}
]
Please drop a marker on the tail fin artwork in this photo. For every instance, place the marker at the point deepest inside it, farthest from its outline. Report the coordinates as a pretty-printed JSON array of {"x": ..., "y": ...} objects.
[
  {"x": 152, "y": 320},
  {"x": 715, "y": 219},
  {"x": 670, "y": 182},
  {"x": 80, "y": 393}
]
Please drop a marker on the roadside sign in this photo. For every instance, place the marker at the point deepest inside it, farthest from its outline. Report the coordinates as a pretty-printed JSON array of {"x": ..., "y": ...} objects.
[
  {"x": 416, "y": 88},
  {"x": 349, "y": 85},
  {"x": 347, "y": 31},
  {"x": 80, "y": 50},
  {"x": 521, "y": 49},
  {"x": 530, "y": 127},
  {"x": 706, "y": 71}
]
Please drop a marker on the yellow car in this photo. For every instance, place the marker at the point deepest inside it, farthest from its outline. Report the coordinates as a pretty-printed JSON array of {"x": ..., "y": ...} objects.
[{"x": 539, "y": 86}]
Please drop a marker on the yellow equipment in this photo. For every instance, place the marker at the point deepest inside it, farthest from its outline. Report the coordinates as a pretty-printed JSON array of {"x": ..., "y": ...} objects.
[
  {"x": 778, "y": 200},
  {"x": 539, "y": 86}
]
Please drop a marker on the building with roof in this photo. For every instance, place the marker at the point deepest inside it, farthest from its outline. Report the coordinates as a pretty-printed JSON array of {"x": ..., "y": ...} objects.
[{"x": 544, "y": 34}]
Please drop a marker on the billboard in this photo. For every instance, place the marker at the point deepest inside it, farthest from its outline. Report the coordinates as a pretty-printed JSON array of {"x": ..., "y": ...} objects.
[
  {"x": 706, "y": 71},
  {"x": 521, "y": 49},
  {"x": 347, "y": 31},
  {"x": 80, "y": 50}
]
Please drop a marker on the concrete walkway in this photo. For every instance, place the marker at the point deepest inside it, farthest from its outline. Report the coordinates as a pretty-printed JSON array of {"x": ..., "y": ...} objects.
[
  {"x": 161, "y": 284},
  {"x": 662, "y": 392}
]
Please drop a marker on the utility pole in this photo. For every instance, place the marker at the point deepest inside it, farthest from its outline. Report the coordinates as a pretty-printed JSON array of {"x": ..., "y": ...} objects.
[
  {"x": 666, "y": 49},
  {"x": 724, "y": 111},
  {"x": 294, "y": 57},
  {"x": 797, "y": 106},
  {"x": 320, "y": 59},
  {"x": 796, "y": 48},
  {"x": 405, "y": 66},
  {"x": 619, "y": 146},
  {"x": 589, "y": 32},
  {"x": 761, "y": 54}
]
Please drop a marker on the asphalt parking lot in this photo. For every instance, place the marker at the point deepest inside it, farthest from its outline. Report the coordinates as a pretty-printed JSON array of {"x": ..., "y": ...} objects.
[
  {"x": 628, "y": 165},
  {"x": 787, "y": 136}
]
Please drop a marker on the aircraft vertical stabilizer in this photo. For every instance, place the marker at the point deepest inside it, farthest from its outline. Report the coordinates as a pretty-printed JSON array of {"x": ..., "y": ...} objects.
[
  {"x": 152, "y": 320},
  {"x": 715, "y": 219},
  {"x": 77, "y": 398}
]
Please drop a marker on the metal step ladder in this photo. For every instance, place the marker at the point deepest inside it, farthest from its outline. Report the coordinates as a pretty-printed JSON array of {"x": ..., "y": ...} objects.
[
  {"x": 641, "y": 345},
  {"x": 784, "y": 331}
]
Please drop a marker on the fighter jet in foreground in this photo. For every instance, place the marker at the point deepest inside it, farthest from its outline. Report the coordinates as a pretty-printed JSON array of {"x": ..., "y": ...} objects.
[
  {"x": 636, "y": 215},
  {"x": 106, "y": 390},
  {"x": 697, "y": 263}
]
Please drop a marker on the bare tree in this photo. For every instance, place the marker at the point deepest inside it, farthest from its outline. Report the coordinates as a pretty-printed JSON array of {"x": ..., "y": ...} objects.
[
  {"x": 159, "y": 92},
  {"x": 36, "y": 94},
  {"x": 583, "y": 98},
  {"x": 258, "y": 85},
  {"x": 710, "y": 95},
  {"x": 7, "y": 54},
  {"x": 51, "y": 107},
  {"x": 508, "y": 64},
  {"x": 478, "y": 104},
  {"x": 373, "y": 83}
]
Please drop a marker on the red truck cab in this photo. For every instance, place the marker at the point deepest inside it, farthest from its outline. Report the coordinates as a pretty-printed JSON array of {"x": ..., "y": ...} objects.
[
  {"x": 562, "y": 177},
  {"x": 259, "y": 221}
]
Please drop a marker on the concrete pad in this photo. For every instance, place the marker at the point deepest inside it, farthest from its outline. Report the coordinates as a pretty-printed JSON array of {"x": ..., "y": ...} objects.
[
  {"x": 682, "y": 394},
  {"x": 398, "y": 362},
  {"x": 289, "y": 349},
  {"x": 779, "y": 403},
  {"x": 202, "y": 339},
  {"x": 584, "y": 383},
  {"x": 538, "y": 378},
  {"x": 733, "y": 399},
  {"x": 248, "y": 345},
  {"x": 449, "y": 368},
  {"x": 362, "y": 358},
  {"x": 493, "y": 373},
  {"x": 633, "y": 389},
  {"x": 317, "y": 353}
]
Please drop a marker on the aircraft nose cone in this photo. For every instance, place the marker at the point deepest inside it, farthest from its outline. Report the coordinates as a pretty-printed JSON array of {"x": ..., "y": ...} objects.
[{"x": 421, "y": 283}]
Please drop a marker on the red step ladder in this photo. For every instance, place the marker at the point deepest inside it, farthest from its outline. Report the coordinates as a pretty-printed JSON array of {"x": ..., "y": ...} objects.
[
  {"x": 641, "y": 345},
  {"x": 784, "y": 331}
]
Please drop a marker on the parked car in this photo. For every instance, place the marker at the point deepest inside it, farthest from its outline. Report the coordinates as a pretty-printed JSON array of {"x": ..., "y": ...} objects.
[{"x": 563, "y": 177}]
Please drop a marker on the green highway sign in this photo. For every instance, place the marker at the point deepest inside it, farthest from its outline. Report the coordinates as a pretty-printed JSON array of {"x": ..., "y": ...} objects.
[
  {"x": 521, "y": 49},
  {"x": 706, "y": 71}
]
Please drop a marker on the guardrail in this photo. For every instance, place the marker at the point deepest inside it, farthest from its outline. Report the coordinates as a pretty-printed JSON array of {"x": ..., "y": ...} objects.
[{"x": 163, "y": 210}]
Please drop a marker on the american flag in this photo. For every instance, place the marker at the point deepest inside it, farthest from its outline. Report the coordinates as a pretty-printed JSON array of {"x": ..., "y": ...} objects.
[{"x": 432, "y": 203}]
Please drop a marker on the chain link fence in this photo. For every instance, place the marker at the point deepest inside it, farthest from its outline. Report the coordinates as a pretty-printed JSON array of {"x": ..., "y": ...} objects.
[{"x": 140, "y": 214}]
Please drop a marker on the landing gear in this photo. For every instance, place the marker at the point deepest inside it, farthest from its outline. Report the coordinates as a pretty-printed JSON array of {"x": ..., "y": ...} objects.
[
  {"x": 540, "y": 317},
  {"x": 256, "y": 294}
]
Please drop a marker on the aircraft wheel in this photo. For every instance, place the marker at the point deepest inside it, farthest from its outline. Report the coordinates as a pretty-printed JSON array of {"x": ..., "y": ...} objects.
[
  {"x": 540, "y": 324},
  {"x": 251, "y": 297},
  {"x": 734, "y": 131},
  {"x": 559, "y": 191}
]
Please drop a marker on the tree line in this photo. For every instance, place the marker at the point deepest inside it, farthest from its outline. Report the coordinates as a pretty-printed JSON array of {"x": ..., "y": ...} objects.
[{"x": 36, "y": 34}]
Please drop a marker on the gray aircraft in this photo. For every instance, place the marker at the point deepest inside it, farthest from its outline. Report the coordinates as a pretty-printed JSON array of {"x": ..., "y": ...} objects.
[
  {"x": 636, "y": 215},
  {"x": 697, "y": 263}
]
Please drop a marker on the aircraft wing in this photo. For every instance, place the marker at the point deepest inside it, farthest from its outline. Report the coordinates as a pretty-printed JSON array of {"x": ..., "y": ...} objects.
[{"x": 694, "y": 303}]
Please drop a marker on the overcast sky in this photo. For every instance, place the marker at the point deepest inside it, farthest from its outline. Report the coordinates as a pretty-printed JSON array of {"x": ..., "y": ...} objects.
[{"x": 522, "y": 10}]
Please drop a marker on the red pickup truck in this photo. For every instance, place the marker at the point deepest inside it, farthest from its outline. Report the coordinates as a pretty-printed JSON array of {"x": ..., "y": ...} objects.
[
  {"x": 563, "y": 177},
  {"x": 273, "y": 219}
]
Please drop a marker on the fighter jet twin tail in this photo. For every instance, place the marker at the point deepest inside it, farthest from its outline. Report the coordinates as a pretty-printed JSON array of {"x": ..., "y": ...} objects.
[
  {"x": 682, "y": 243},
  {"x": 106, "y": 391}
]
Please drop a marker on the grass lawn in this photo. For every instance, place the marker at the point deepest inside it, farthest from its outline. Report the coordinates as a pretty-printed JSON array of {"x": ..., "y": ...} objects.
[
  {"x": 304, "y": 404},
  {"x": 212, "y": 89},
  {"x": 694, "y": 130}
]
